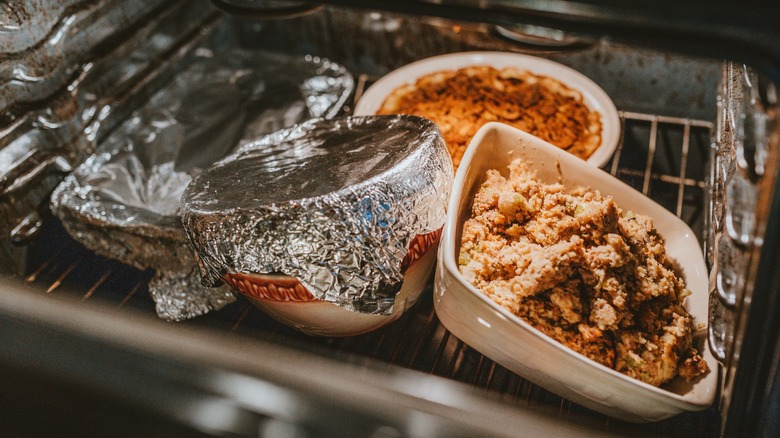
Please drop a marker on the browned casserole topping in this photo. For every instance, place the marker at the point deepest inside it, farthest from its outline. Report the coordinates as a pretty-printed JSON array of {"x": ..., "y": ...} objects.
[
  {"x": 461, "y": 101},
  {"x": 582, "y": 271}
]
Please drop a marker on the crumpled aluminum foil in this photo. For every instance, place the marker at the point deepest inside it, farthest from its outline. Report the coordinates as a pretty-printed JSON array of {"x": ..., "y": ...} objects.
[
  {"x": 333, "y": 203},
  {"x": 123, "y": 201}
]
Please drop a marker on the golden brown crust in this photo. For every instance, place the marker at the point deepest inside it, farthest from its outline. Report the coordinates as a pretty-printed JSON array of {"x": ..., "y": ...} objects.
[
  {"x": 461, "y": 101},
  {"x": 579, "y": 270}
]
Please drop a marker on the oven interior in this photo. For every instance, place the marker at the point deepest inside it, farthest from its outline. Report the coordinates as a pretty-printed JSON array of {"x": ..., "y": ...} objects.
[{"x": 88, "y": 354}]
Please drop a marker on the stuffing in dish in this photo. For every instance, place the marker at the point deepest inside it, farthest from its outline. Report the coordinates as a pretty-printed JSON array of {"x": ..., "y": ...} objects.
[
  {"x": 461, "y": 101},
  {"x": 582, "y": 271}
]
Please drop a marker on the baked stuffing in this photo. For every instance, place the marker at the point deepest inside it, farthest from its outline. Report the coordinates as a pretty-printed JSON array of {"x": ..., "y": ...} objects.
[
  {"x": 461, "y": 101},
  {"x": 582, "y": 271}
]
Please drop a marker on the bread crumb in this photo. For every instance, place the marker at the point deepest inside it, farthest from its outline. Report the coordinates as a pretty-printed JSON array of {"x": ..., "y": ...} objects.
[{"x": 582, "y": 271}]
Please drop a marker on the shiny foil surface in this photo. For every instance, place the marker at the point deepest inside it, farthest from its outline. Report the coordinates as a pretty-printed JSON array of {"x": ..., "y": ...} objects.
[
  {"x": 123, "y": 202},
  {"x": 333, "y": 203}
]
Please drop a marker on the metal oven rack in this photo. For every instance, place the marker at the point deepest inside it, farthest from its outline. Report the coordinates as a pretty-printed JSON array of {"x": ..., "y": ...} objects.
[{"x": 658, "y": 155}]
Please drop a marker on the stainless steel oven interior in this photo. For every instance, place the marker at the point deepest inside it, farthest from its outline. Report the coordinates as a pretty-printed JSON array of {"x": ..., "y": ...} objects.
[{"x": 84, "y": 354}]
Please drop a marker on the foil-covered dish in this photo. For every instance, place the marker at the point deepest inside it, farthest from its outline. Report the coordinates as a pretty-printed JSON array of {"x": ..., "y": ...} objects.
[
  {"x": 123, "y": 202},
  {"x": 330, "y": 226}
]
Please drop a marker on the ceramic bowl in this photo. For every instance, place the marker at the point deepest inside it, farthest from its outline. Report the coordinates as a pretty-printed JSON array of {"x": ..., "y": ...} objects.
[
  {"x": 519, "y": 347},
  {"x": 285, "y": 299},
  {"x": 593, "y": 96}
]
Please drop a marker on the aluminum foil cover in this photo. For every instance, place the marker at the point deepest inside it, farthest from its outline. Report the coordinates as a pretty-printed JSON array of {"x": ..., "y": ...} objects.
[
  {"x": 123, "y": 201},
  {"x": 333, "y": 203}
]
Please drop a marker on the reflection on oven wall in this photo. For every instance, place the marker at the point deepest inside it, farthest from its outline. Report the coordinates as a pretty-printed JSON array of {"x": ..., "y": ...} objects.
[{"x": 743, "y": 161}]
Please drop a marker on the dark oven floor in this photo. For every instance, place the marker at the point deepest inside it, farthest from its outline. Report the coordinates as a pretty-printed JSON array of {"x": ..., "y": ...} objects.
[{"x": 659, "y": 156}]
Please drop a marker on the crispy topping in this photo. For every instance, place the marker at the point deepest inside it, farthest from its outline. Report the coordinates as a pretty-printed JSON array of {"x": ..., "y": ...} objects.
[
  {"x": 461, "y": 101},
  {"x": 578, "y": 269}
]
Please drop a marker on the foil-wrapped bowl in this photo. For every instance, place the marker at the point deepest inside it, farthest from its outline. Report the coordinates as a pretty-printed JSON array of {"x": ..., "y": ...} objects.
[
  {"x": 123, "y": 202},
  {"x": 330, "y": 226}
]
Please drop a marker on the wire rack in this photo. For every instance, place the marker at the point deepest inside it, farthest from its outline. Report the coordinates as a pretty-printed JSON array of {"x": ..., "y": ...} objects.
[{"x": 660, "y": 156}]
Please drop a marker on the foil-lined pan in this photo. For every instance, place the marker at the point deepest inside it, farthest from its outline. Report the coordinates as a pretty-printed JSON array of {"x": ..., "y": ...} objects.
[
  {"x": 336, "y": 204},
  {"x": 41, "y": 144},
  {"x": 27, "y": 22},
  {"x": 123, "y": 201},
  {"x": 50, "y": 42}
]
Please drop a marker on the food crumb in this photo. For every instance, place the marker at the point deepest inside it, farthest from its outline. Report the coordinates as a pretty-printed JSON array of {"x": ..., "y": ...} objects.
[
  {"x": 463, "y": 100},
  {"x": 582, "y": 271}
]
